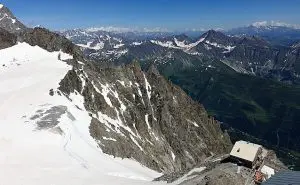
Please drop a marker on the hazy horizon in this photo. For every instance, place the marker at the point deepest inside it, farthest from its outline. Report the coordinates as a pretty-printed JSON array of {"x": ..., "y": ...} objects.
[{"x": 159, "y": 15}]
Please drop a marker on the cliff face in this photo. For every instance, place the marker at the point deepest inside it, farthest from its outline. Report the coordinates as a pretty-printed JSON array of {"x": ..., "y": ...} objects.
[
  {"x": 7, "y": 39},
  {"x": 143, "y": 116}
]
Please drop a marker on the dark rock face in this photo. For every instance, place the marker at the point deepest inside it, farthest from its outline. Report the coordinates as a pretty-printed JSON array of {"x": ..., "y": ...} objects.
[
  {"x": 9, "y": 22},
  {"x": 6, "y": 39},
  {"x": 50, "y": 41},
  {"x": 50, "y": 118},
  {"x": 142, "y": 116}
]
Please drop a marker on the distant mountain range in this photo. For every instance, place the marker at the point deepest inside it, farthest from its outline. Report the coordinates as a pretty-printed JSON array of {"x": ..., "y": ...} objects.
[
  {"x": 244, "y": 54},
  {"x": 274, "y": 32},
  {"x": 242, "y": 79}
]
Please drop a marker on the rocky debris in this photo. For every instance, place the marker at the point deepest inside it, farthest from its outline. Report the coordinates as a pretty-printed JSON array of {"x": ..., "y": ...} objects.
[
  {"x": 213, "y": 172},
  {"x": 51, "y": 92},
  {"x": 228, "y": 173},
  {"x": 7, "y": 39},
  {"x": 46, "y": 119}
]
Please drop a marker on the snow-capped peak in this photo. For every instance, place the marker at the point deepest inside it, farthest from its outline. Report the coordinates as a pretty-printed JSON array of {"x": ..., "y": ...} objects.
[
  {"x": 8, "y": 21},
  {"x": 261, "y": 24},
  {"x": 109, "y": 29},
  {"x": 296, "y": 45},
  {"x": 126, "y": 29}
]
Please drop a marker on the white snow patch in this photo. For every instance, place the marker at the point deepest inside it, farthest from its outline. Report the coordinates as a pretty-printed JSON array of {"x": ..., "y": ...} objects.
[
  {"x": 181, "y": 44},
  {"x": 192, "y": 122},
  {"x": 147, "y": 121},
  {"x": 116, "y": 95},
  {"x": 118, "y": 46},
  {"x": 217, "y": 159},
  {"x": 260, "y": 24},
  {"x": 65, "y": 56},
  {"x": 1, "y": 6},
  {"x": 173, "y": 155},
  {"x": 121, "y": 82},
  {"x": 210, "y": 66},
  {"x": 139, "y": 92},
  {"x": 167, "y": 44},
  {"x": 81, "y": 63},
  {"x": 98, "y": 46},
  {"x": 227, "y": 48},
  {"x": 148, "y": 88},
  {"x": 109, "y": 139},
  {"x": 178, "y": 44},
  {"x": 105, "y": 92},
  {"x": 137, "y": 43},
  {"x": 175, "y": 99},
  {"x": 194, "y": 53},
  {"x": 136, "y": 143}
]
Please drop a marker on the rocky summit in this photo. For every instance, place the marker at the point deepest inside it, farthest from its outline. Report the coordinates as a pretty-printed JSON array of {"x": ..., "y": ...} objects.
[{"x": 9, "y": 21}]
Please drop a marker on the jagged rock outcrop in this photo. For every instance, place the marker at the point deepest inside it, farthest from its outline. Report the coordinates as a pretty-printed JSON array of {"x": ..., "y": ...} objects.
[
  {"x": 50, "y": 41},
  {"x": 9, "y": 22},
  {"x": 143, "y": 116}
]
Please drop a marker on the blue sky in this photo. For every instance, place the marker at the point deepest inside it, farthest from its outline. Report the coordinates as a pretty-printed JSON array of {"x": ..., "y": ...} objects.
[{"x": 169, "y": 14}]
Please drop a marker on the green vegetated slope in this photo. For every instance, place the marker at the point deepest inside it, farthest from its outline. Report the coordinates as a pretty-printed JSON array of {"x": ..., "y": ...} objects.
[{"x": 266, "y": 109}]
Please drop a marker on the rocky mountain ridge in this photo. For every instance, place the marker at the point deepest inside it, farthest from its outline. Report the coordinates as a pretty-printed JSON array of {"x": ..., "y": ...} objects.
[
  {"x": 275, "y": 32},
  {"x": 134, "y": 114},
  {"x": 9, "y": 21},
  {"x": 251, "y": 55}
]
